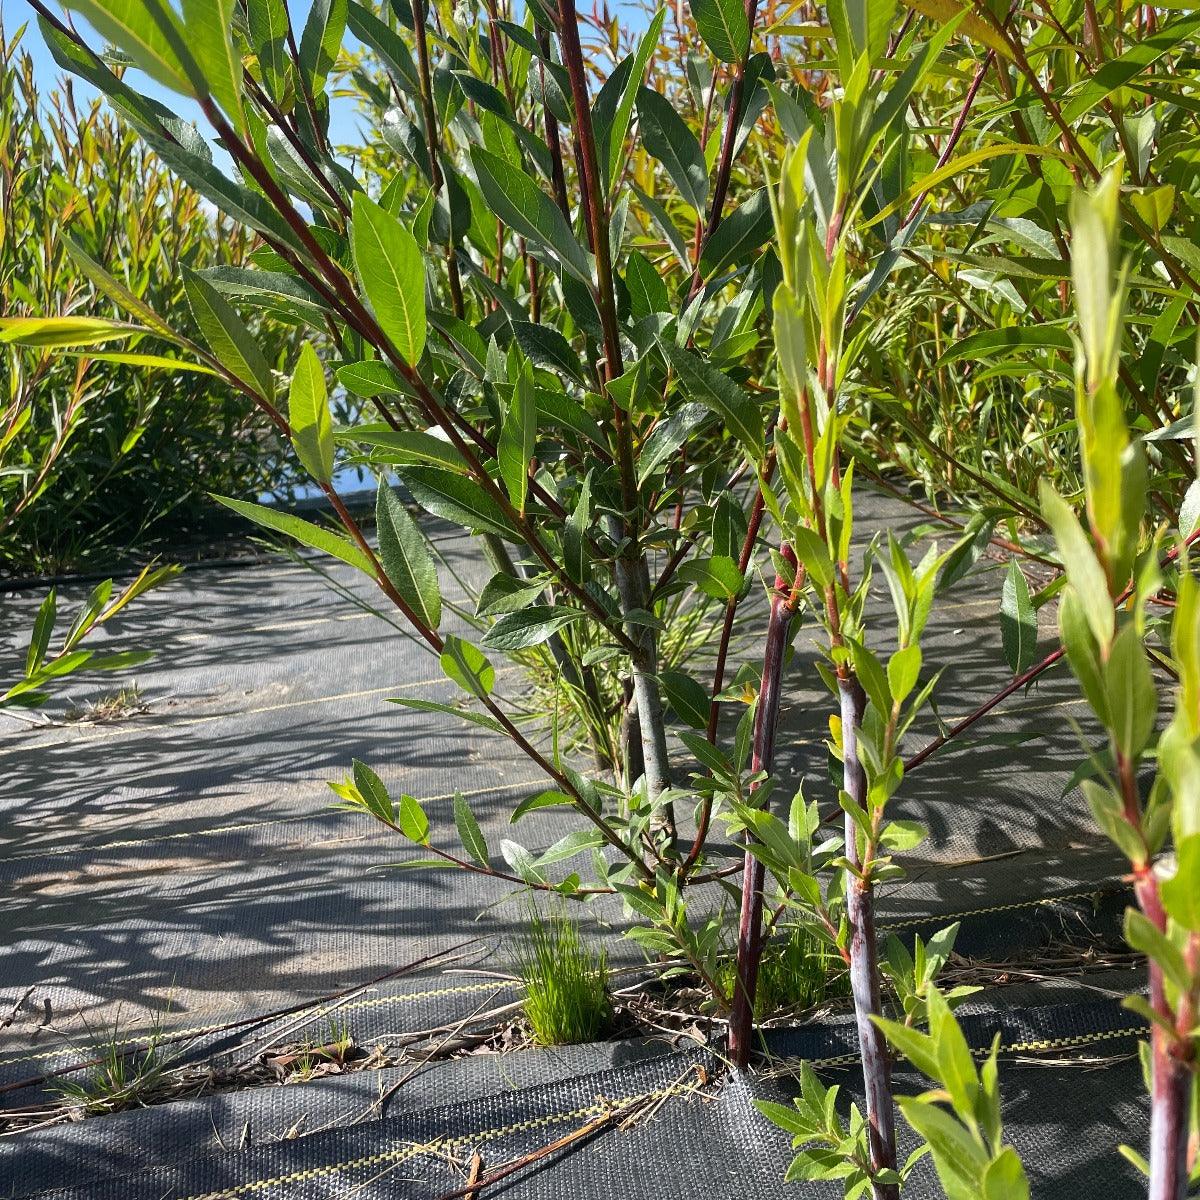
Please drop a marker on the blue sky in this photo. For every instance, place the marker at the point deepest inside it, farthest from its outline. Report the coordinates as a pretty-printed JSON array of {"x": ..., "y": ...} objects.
[{"x": 18, "y": 12}]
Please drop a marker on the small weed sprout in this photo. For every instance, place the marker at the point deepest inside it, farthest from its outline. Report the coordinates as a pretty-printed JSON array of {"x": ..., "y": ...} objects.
[
  {"x": 566, "y": 983},
  {"x": 122, "y": 1077}
]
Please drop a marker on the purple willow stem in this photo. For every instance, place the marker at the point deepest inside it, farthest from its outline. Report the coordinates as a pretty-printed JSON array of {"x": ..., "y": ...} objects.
[
  {"x": 864, "y": 958},
  {"x": 766, "y": 720},
  {"x": 955, "y": 133}
]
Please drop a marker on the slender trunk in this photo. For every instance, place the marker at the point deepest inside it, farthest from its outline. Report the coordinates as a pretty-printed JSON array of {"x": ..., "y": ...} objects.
[
  {"x": 750, "y": 935},
  {"x": 632, "y": 568},
  {"x": 633, "y": 585},
  {"x": 864, "y": 960}
]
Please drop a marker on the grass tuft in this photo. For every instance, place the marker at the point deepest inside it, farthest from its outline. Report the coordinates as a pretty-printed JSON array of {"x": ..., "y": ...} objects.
[
  {"x": 799, "y": 970},
  {"x": 566, "y": 983},
  {"x": 122, "y": 1077}
]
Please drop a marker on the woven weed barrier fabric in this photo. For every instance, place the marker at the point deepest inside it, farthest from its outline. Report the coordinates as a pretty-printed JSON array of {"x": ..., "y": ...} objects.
[{"x": 679, "y": 1125}]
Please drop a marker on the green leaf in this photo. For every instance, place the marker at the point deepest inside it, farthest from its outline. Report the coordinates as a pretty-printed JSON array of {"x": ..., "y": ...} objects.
[
  {"x": 373, "y": 794},
  {"x": 227, "y": 336},
  {"x": 469, "y": 832},
  {"x": 128, "y": 25},
  {"x": 546, "y": 347},
  {"x": 1145, "y": 937},
  {"x": 899, "y": 836},
  {"x": 413, "y": 822},
  {"x": 986, "y": 344},
  {"x": 723, "y": 26},
  {"x": 54, "y": 333},
  {"x": 464, "y": 714},
  {"x": 518, "y": 201},
  {"x": 702, "y": 381},
  {"x": 1004, "y": 1178},
  {"x": 148, "y": 362},
  {"x": 667, "y": 137},
  {"x": 268, "y": 24},
  {"x": 687, "y": 697},
  {"x": 406, "y": 559},
  {"x": 457, "y": 499},
  {"x": 390, "y": 47},
  {"x": 1130, "y": 692},
  {"x": 1118, "y": 72},
  {"x": 1083, "y": 567},
  {"x": 903, "y": 671},
  {"x": 208, "y": 25},
  {"x": 959, "y": 1159},
  {"x": 551, "y": 798},
  {"x": 528, "y": 626},
  {"x": 391, "y": 268},
  {"x": 667, "y": 436},
  {"x": 521, "y": 861},
  {"x": 320, "y": 42},
  {"x": 467, "y": 666},
  {"x": 43, "y": 626},
  {"x": 1018, "y": 620},
  {"x": 518, "y": 433},
  {"x": 116, "y": 291},
  {"x": 319, "y": 538},
  {"x": 404, "y": 446},
  {"x": 741, "y": 233},
  {"x": 368, "y": 378},
  {"x": 1181, "y": 893},
  {"x": 620, "y": 123},
  {"x": 717, "y": 577},
  {"x": 308, "y": 415}
]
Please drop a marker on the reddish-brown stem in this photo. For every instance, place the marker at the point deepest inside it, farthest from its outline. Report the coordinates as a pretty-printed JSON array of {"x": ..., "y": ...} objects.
[
  {"x": 766, "y": 720},
  {"x": 864, "y": 955},
  {"x": 733, "y": 114},
  {"x": 704, "y": 819}
]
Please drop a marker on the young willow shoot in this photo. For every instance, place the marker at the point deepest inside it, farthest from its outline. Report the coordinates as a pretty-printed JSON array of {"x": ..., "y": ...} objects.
[{"x": 1113, "y": 575}]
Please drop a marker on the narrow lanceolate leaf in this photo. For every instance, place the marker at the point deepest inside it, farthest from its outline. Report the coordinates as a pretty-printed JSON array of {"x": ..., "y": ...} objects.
[
  {"x": 391, "y": 269},
  {"x": 667, "y": 137},
  {"x": 315, "y": 536},
  {"x": 128, "y": 25},
  {"x": 148, "y": 362},
  {"x": 620, "y": 125},
  {"x": 723, "y": 26},
  {"x": 115, "y": 290},
  {"x": 227, "y": 336},
  {"x": 469, "y": 832},
  {"x": 458, "y": 499},
  {"x": 209, "y": 26},
  {"x": 463, "y": 714},
  {"x": 42, "y": 626},
  {"x": 528, "y": 627},
  {"x": 406, "y": 559},
  {"x": 308, "y": 415},
  {"x": 1018, "y": 620},
  {"x": 703, "y": 382},
  {"x": 320, "y": 42},
  {"x": 517, "y": 435},
  {"x": 739, "y": 235},
  {"x": 518, "y": 201},
  {"x": 54, "y": 333},
  {"x": 268, "y": 23},
  {"x": 468, "y": 666}
]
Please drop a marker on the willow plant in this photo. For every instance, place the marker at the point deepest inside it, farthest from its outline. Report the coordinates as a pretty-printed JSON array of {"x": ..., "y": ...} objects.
[
  {"x": 525, "y": 370},
  {"x": 1115, "y": 580}
]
